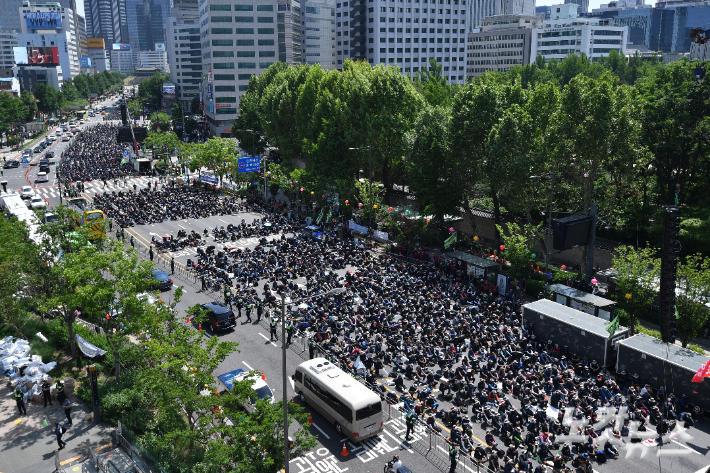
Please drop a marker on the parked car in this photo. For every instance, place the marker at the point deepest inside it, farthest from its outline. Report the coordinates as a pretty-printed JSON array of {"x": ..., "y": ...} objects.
[
  {"x": 162, "y": 281},
  {"x": 219, "y": 316},
  {"x": 65, "y": 138},
  {"x": 263, "y": 391},
  {"x": 27, "y": 192},
  {"x": 37, "y": 202},
  {"x": 49, "y": 155},
  {"x": 41, "y": 177}
]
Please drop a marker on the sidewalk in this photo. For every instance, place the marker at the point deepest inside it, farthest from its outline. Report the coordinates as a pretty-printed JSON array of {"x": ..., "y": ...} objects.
[{"x": 26, "y": 446}]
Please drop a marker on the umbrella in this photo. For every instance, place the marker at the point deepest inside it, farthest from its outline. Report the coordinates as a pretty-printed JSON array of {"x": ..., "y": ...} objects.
[
  {"x": 303, "y": 305},
  {"x": 267, "y": 224}
]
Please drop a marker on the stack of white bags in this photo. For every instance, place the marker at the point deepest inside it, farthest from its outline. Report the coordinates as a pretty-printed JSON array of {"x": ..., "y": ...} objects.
[{"x": 14, "y": 357}]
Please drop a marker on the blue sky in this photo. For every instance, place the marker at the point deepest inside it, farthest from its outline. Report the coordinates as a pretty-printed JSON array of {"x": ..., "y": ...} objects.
[{"x": 80, "y": 7}]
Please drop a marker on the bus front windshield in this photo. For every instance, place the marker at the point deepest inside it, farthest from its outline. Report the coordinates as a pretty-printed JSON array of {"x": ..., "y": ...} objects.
[{"x": 368, "y": 411}]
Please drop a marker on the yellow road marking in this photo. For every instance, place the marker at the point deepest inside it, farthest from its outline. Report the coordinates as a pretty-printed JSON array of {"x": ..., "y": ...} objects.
[{"x": 97, "y": 449}]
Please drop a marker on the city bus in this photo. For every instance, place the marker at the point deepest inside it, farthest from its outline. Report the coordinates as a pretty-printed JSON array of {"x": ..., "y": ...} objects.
[
  {"x": 87, "y": 215},
  {"x": 81, "y": 114},
  {"x": 352, "y": 408}
]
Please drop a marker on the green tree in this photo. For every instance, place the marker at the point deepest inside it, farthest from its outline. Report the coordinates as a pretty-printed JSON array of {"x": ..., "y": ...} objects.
[
  {"x": 519, "y": 243},
  {"x": 30, "y": 106},
  {"x": 160, "y": 122},
  {"x": 217, "y": 154},
  {"x": 432, "y": 84},
  {"x": 135, "y": 108},
  {"x": 150, "y": 91},
  {"x": 637, "y": 271},
  {"x": 195, "y": 105},
  {"x": 692, "y": 296}
]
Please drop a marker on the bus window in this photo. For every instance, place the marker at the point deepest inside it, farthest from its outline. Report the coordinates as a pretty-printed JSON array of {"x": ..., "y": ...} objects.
[
  {"x": 91, "y": 216},
  {"x": 368, "y": 411},
  {"x": 299, "y": 376}
]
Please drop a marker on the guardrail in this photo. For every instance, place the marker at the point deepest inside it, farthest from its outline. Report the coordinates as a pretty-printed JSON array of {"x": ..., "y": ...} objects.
[{"x": 142, "y": 460}]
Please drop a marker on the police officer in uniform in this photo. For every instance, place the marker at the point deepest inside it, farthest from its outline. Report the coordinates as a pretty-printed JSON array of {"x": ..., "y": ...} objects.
[
  {"x": 61, "y": 395},
  {"x": 259, "y": 310},
  {"x": 240, "y": 303},
  {"x": 311, "y": 348},
  {"x": 410, "y": 424},
  {"x": 272, "y": 324},
  {"x": 289, "y": 331},
  {"x": 45, "y": 392},
  {"x": 249, "y": 311},
  {"x": 19, "y": 399},
  {"x": 202, "y": 278},
  {"x": 453, "y": 455}
]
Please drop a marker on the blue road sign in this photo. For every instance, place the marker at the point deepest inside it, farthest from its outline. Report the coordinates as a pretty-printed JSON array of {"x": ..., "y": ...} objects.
[
  {"x": 250, "y": 164},
  {"x": 125, "y": 153}
]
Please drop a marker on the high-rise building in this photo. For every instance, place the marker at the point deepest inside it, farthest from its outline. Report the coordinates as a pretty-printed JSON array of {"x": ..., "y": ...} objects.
[
  {"x": 184, "y": 52},
  {"x": 480, "y": 9},
  {"x": 9, "y": 12},
  {"x": 104, "y": 19},
  {"x": 83, "y": 51},
  {"x": 565, "y": 33},
  {"x": 404, "y": 34},
  {"x": 7, "y": 57},
  {"x": 138, "y": 22},
  {"x": 156, "y": 59},
  {"x": 59, "y": 32},
  {"x": 583, "y": 5},
  {"x": 501, "y": 43},
  {"x": 159, "y": 13},
  {"x": 318, "y": 32},
  {"x": 241, "y": 38}
]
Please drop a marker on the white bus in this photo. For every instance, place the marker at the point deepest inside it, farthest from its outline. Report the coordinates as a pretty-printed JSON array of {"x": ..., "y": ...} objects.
[
  {"x": 352, "y": 408},
  {"x": 13, "y": 204}
]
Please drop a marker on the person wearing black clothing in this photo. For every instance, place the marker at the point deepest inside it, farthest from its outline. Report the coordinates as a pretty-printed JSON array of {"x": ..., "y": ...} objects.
[
  {"x": 59, "y": 431},
  {"x": 46, "y": 387},
  {"x": 19, "y": 399}
]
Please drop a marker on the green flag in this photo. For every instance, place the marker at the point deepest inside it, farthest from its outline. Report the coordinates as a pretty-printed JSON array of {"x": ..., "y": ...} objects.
[
  {"x": 613, "y": 326},
  {"x": 450, "y": 241}
]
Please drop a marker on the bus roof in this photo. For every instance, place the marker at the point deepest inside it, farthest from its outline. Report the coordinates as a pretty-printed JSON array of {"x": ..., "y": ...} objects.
[{"x": 337, "y": 380}]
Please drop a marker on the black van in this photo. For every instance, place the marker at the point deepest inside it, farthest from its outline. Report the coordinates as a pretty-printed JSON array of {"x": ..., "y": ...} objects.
[{"x": 219, "y": 316}]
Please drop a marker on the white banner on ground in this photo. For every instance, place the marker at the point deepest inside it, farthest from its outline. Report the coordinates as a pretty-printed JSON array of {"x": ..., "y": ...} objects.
[
  {"x": 209, "y": 178},
  {"x": 362, "y": 229}
]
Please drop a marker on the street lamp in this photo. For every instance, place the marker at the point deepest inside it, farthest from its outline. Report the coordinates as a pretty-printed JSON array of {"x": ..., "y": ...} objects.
[
  {"x": 284, "y": 297},
  {"x": 548, "y": 236},
  {"x": 369, "y": 190}
]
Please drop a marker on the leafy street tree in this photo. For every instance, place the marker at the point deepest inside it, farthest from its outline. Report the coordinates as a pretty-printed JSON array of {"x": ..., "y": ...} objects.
[
  {"x": 691, "y": 297},
  {"x": 519, "y": 246},
  {"x": 195, "y": 105},
  {"x": 217, "y": 154},
  {"x": 432, "y": 84},
  {"x": 637, "y": 271},
  {"x": 150, "y": 91},
  {"x": 160, "y": 122}
]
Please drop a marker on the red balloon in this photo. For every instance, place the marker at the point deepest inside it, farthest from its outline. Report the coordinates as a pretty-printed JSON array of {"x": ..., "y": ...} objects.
[
  {"x": 390, "y": 209},
  {"x": 347, "y": 202},
  {"x": 323, "y": 196},
  {"x": 502, "y": 247}
]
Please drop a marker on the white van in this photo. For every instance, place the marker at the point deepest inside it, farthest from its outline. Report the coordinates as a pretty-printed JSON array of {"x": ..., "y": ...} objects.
[{"x": 350, "y": 406}]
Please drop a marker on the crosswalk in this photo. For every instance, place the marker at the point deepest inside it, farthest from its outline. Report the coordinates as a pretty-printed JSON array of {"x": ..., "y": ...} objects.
[{"x": 97, "y": 187}]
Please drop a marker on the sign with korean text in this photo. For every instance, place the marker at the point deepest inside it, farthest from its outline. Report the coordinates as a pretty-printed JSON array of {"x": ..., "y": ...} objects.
[{"x": 249, "y": 164}]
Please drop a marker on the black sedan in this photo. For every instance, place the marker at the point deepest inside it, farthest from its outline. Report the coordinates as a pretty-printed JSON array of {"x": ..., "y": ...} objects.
[
  {"x": 11, "y": 164},
  {"x": 161, "y": 280},
  {"x": 219, "y": 316}
]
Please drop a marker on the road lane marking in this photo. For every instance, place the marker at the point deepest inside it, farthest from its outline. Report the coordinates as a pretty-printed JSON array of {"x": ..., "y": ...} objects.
[
  {"x": 691, "y": 449},
  {"x": 264, "y": 337},
  {"x": 321, "y": 431},
  {"x": 245, "y": 364}
]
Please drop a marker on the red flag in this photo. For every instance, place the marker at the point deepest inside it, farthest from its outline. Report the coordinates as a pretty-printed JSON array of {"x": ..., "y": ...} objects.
[{"x": 703, "y": 372}]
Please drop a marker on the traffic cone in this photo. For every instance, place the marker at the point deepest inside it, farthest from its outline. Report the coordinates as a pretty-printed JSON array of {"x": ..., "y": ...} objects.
[
  {"x": 188, "y": 319},
  {"x": 345, "y": 451},
  {"x": 199, "y": 327},
  {"x": 310, "y": 419},
  {"x": 263, "y": 376}
]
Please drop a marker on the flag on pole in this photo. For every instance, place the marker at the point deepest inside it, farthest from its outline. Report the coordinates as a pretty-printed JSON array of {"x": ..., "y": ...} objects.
[
  {"x": 450, "y": 241},
  {"x": 703, "y": 372},
  {"x": 613, "y": 326}
]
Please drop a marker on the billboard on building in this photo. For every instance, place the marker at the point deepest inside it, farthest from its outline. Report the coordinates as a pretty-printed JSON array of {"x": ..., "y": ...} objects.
[
  {"x": 43, "y": 56},
  {"x": 43, "y": 20},
  {"x": 121, "y": 47},
  {"x": 160, "y": 46},
  {"x": 85, "y": 61},
  {"x": 168, "y": 88},
  {"x": 95, "y": 43}
]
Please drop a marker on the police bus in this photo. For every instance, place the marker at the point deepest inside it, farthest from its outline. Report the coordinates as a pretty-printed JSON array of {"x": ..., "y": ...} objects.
[{"x": 352, "y": 408}]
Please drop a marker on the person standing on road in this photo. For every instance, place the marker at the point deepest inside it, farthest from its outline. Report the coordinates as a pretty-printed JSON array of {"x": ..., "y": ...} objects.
[
  {"x": 172, "y": 265},
  {"x": 453, "y": 455},
  {"x": 61, "y": 395},
  {"x": 259, "y": 311},
  {"x": 20, "y": 400},
  {"x": 46, "y": 392},
  {"x": 289, "y": 331},
  {"x": 249, "y": 311},
  {"x": 202, "y": 279},
  {"x": 272, "y": 324},
  {"x": 67, "y": 410},
  {"x": 150, "y": 253},
  {"x": 133, "y": 244},
  {"x": 240, "y": 303},
  {"x": 311, "y": 348},
  {"x": 59, "y": 431},
  {"x": 410, "y": 424}
]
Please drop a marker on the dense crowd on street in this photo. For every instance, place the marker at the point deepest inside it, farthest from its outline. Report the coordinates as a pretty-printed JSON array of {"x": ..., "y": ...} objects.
[
  {"x": 454, "y": 352},
  {"x": 94, "y": 155}
]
